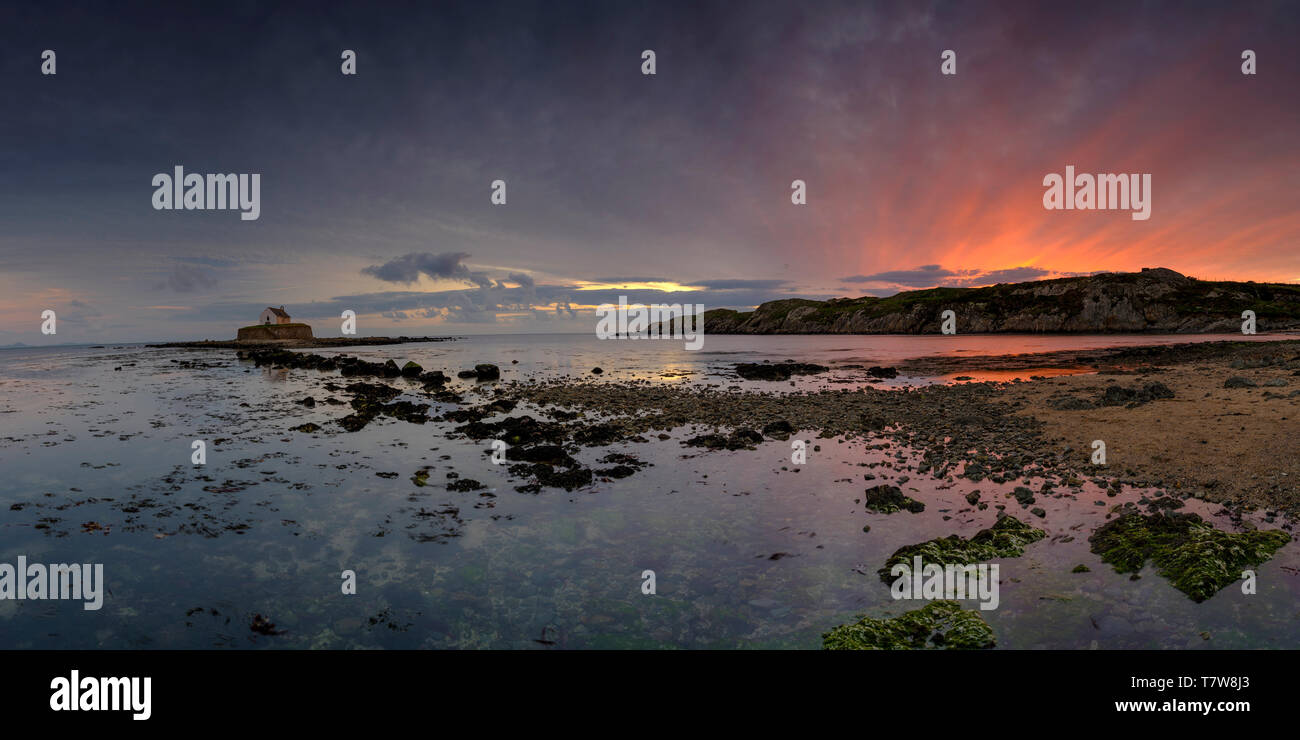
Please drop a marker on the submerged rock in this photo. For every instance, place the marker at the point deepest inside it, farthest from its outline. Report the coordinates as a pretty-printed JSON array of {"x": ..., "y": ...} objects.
[
  {"x": 1197, "y": 558},
  {"x": 938, "y": 625}
]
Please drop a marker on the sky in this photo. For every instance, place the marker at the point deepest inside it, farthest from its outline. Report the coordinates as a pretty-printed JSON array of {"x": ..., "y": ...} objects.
[{"x": 376, "y": 188}]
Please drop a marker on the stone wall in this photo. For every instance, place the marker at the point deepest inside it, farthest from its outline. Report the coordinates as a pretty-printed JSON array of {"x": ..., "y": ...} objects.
[{"x": 274, "y": 332}]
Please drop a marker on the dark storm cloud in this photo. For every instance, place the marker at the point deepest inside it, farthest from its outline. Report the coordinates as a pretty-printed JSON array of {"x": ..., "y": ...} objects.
[
  {"x": 740, "y": 284},
  {"x": 1012, "y": 275},
  {"x": 629, "y": 280},
  {"x": 408, "y": 269},
  {"x": 929, "y": 276},
  {"x": 925, "y": 275}
]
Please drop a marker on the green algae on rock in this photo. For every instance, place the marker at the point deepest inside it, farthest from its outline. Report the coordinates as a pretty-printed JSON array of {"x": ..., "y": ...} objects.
[
  {"x": 887, "y": 499},
  {"x": 1005, "y": 539},
  {"x": 1197, "y": 558},
  {"x": 938, "y": 625}
]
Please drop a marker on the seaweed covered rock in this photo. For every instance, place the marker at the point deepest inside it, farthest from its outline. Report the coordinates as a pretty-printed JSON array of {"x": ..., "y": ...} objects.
[
  {"x": 1005, "y": 539},
  {"x": 1197, "y": 558},
  {"x": 938, "y": 625},
  {"x": 887, "y": 499}
]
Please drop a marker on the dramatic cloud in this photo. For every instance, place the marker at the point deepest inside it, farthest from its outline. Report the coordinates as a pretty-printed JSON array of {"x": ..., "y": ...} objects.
[
  {"x": 408, "y": 269},
  {"x": 740, "y": 284},
  {"x": 923, "y": 276},
  {"x": 931, "y": 276},
  {"x": 1013, "y": 275},
  {"x": 611, "y": 173}
]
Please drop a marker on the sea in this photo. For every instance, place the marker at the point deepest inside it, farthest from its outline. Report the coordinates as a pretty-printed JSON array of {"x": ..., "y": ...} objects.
[{"x": 291, "y": 540}]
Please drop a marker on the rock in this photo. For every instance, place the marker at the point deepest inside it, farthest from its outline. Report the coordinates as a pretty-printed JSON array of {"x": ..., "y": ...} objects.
[
  {"x": 1237, "y": 381},
  {"x": 463, "y": 485},
  {"x": 780, "y": 429},
  {"x": 882, "y": 372},
  {"x": 1131, "y": 397},
  {"x": 939, "y": 625},
  {"x": 1023, "y": 495},
  {"x": 596, "y": 371},
  {"x": 1197, "y": 558},
  {"x": 1070, "y": 403},
  {"x": 777, "y": 370},
  {"x": 887, "y": 499},
  {"x": 411, "y": 370},
  {"x": 741, "y": 439},
  {"x": 486, "y": 371},
  {"x": 433, "y": 380},
  {"x": 1005, "y": 539}
]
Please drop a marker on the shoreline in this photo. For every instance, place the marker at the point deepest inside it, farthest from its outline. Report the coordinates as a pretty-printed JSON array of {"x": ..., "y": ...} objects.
[
  {"x": 318, "y": 342},
  {"x": 1147, "y": 403},
  {"x": 1230, "y": 453}
]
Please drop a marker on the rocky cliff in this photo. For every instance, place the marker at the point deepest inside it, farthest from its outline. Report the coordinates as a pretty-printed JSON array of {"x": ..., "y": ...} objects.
[{"x": 1155, "y": 300}]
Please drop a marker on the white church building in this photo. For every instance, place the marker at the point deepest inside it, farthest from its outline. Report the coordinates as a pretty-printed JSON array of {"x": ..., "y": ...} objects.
[{"x": 273, "y": 316}]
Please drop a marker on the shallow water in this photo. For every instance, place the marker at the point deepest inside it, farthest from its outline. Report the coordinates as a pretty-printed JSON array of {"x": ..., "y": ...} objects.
[{"x": 191, "y": 553}]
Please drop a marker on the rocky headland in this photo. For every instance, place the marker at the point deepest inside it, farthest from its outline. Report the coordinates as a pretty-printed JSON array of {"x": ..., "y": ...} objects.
[{"x": 1155, "y": 300}]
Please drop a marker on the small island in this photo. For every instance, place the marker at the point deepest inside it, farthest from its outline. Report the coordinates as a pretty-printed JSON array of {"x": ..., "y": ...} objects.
[
  {"x": 274, "y": 324},
  {"x": 275, "y": 328}
]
